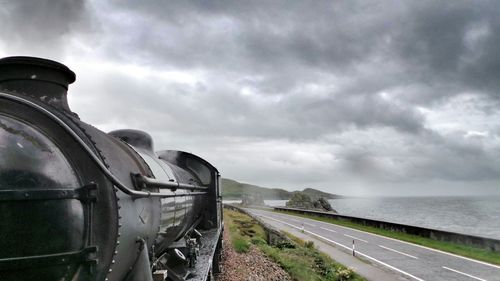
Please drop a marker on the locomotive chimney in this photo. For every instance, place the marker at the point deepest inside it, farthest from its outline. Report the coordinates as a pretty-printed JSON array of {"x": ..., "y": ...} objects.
[{"x": 39, "y": 78}]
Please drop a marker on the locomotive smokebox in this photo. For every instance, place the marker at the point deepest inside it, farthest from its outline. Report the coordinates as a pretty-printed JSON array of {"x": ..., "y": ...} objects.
[{"x": 42, "y": 79}]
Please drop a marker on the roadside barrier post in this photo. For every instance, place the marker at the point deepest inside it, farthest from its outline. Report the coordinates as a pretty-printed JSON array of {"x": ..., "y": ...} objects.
[{"x": 353, "y": 249}]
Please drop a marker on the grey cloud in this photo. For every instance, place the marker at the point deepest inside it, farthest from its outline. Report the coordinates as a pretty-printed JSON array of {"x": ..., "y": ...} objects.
[
  {"x": 32, "y": 27},
  {"x": 217, "y": 110},
  {"x": 249, "y": 37},
  {"x": 307, "y": 75},
  {"x": 365, "y": 111},
  {"x": 459, "y": 159},
  {"x": 400, "y": 43},
  {"x": 453, "y": 45}
]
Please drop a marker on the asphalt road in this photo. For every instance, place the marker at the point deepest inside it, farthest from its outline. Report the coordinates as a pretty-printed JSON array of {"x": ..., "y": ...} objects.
[{"x": 412, "y": 261}]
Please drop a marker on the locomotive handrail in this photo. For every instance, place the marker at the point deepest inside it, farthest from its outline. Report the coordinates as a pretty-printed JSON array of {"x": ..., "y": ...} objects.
[
  {"x": 122, "y": 187},
  {"x": 142, "y": 182},
  {"x": 182, "y": 194}
]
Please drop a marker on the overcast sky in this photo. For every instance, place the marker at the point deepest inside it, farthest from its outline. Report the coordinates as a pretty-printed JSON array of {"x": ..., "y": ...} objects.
[{"x": 350, "y": 97}]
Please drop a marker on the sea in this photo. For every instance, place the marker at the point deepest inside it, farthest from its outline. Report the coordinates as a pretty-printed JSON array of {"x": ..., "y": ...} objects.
[{"x": 478, "y": 216}]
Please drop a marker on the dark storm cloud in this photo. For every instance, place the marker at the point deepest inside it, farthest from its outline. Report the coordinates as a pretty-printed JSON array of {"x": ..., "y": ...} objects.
[
  {"x": 459, "y": 159},
  {"x": 272, "y": 51},
  {"x": 408, "y": 161},
  {"x": 284, "y": 45},
  {"x": 291, "y": 91},
  {"x": 214, "y": 110},
  {"x": 451, "y": 46},
  {"x": 368, "y": 111},
  {"x": 255, "y": 37},
  {"x": 365, "y": 65},
  {"x": 41, "y": 26}
]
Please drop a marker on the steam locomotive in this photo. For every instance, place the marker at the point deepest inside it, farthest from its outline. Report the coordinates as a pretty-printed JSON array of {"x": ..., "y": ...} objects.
[{"x": 80, "y": 204}]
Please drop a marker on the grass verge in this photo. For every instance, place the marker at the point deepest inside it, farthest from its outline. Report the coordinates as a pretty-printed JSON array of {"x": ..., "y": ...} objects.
[
  {"x": 454, "y": 248},
  {"x": 300, "y": 259}
]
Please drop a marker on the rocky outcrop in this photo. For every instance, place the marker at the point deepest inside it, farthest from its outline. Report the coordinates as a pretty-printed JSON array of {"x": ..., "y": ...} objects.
[
  {"x": 252, "y": 200},
  {"x": 300, "y": 200},
  {"x": 322, "y": 203}
]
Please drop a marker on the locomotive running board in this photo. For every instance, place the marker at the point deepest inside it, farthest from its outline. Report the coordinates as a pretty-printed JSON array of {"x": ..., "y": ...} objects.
[
  {"x": 203, "y": 266},
  {"x": 209, "y": 241}
]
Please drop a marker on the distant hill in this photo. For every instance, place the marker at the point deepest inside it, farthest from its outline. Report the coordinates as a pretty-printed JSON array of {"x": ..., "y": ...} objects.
[
  {"x": 232, "y": 189},
  {"x": 316, "y": 194}
]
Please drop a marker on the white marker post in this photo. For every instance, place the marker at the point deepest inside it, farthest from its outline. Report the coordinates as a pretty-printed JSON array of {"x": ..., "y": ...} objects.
[
  {"x": 302, "y": 229},
  {"x": 353, "y": 249}
]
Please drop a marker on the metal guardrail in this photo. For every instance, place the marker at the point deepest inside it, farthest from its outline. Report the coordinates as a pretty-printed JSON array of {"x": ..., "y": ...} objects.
[{"x": 435, "y": 234}]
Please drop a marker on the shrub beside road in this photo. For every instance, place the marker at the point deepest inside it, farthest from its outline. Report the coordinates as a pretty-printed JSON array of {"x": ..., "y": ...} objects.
[{"x": 300, "y": 259}]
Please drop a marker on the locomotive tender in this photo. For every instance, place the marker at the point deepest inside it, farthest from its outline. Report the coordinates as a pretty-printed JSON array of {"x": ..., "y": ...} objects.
[{"x": 80, "y": 204}]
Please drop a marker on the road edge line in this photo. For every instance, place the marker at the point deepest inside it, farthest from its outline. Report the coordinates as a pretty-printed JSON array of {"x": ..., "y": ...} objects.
[
  {"x": 406, "y": 242},
  {"x": 359, "y": 253}
]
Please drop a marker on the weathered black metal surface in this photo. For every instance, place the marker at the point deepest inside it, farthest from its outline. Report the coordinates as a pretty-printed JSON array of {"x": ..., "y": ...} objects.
[
  {"x": 85, "y": 194},
  {"x": 39, "y": 78},
  {"x": 146, "y": 182},
  {"x": 51, "y": 227},
  {"x": 135, "y": 138},
  {"x": 84, "y": 256},
  {"x": 208, "y": 253},
  {"x": 79, "y": 204}
]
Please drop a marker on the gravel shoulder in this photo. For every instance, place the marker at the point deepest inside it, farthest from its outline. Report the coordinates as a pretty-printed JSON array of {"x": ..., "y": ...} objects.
[{"x": 250, "y": 266}]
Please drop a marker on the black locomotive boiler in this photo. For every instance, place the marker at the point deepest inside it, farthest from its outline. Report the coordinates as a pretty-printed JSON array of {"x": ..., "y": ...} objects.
[{"x": 80, "y": 204}]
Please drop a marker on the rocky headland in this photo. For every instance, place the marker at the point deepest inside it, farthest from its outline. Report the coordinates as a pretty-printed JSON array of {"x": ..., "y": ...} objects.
[{"x": 301, "y": 200}]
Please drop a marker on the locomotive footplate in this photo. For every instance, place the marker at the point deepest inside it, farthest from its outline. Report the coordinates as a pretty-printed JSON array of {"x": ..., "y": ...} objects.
[{"x": 207, "y": 259}]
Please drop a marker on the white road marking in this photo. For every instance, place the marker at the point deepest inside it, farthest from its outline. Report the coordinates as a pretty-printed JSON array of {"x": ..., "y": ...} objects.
[
  {"x": 354, "y": 237},
  {"x": 294, "y": 220},
  {"x": 387, "y": 248},
  {"x": 309, "y": 224},
  {"x": 409, "y": 243},
  {"x": 331, "y": 230},
  {"x": 348, "y": 248},
  {"x": 468, "y": 275}
]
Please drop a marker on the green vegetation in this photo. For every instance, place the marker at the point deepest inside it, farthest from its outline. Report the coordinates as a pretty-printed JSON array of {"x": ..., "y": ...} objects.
[
  {"x": 240, "y": 245},
  {"x": 299, "y": 258},
  {"x": 234, "y": 190},
  {"x": 454, "y": 248},
  {"x": 241, "y": 228}
]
